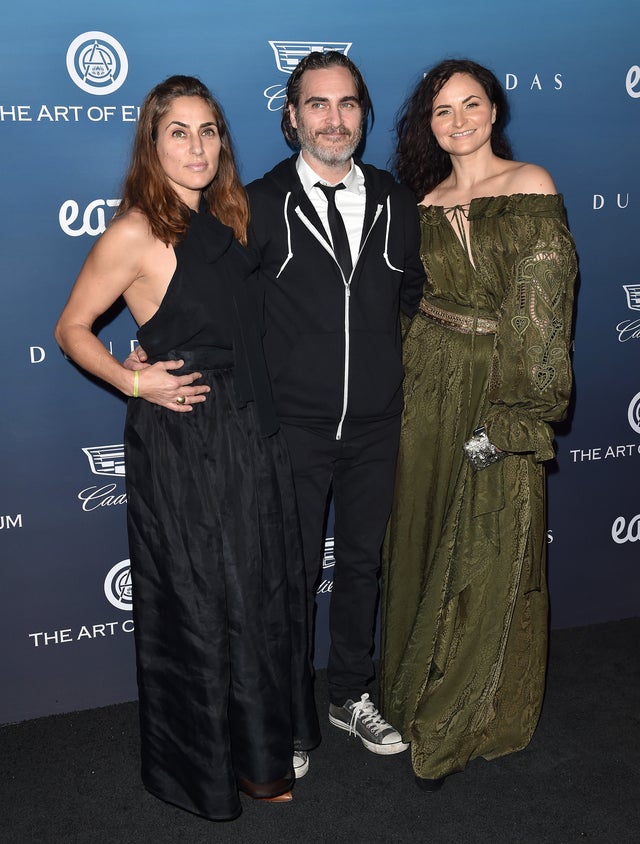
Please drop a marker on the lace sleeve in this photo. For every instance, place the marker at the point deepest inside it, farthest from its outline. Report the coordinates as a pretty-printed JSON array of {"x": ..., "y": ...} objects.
[{"x": 531, "y": 378}]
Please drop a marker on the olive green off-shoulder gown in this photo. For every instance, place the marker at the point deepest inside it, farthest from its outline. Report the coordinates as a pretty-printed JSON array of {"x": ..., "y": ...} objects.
[{"x": 465, "y": 603}]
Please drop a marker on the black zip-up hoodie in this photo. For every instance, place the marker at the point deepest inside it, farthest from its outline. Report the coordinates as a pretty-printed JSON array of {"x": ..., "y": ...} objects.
[{"x": 332, "y": 344}]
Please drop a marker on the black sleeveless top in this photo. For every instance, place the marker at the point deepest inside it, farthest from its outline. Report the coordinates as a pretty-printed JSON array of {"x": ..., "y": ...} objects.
[{"x": 211, "y": 313}]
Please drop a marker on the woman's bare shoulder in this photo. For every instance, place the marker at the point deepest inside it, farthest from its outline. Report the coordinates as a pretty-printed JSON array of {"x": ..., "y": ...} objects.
[
  {"x": 132, "y": 226},
  {"x": 127, "y": 242},
  {"x": 127, "y": 249},
  {"x": 522, "y": 177}
]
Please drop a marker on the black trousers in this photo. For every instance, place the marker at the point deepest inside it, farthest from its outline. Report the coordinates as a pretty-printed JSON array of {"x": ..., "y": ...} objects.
[{"x": 360, "y": 470}]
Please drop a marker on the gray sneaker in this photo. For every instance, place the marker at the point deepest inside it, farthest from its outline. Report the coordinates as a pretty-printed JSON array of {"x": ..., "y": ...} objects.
[{"x": 362, "y": 719}]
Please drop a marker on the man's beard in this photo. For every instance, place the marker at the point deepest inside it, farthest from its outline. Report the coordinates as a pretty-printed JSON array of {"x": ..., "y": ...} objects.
[{"x": 330, "y": 155}]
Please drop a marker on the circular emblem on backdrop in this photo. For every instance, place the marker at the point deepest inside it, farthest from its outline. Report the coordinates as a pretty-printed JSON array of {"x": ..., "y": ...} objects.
[
  {"x": 634, "y": 413},
  {"x": 117, "y": 585},
  {"x": 97, "y": 63}
]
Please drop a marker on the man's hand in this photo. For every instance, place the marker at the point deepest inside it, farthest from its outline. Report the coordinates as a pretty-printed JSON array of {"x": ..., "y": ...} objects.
[{"x": 137, "y": 360}]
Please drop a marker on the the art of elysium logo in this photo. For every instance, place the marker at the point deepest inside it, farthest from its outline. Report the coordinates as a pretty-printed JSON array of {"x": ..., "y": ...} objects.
[
  {"x": 117, "y": 585},
  {"x": 288, "y": 54},
  {"x": 634, "y": 413},
  {"x": 617, "y": 451},
  {"x": 106, "y": 460},
  {"x": 97, "y": 63}
]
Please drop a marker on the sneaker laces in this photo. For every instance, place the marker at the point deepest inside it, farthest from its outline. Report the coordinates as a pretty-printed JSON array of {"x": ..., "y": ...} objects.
[{"x": 365, "y": 711}]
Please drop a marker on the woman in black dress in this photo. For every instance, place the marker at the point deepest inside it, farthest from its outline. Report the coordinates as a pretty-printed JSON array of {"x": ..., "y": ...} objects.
[{"x": 226, "y": 702}]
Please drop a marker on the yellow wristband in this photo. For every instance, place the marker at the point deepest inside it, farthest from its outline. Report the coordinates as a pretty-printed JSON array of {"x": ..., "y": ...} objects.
[{"x": 136, "y": 379}]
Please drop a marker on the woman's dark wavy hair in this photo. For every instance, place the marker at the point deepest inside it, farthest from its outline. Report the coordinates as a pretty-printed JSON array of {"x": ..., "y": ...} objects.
[
  {"x": 146, "y": 186},
  {"x": 419, "y": 162},
  {"x": 321, "y": 61}
]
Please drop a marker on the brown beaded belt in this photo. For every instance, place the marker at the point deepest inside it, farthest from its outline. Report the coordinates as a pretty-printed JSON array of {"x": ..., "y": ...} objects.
[{"x": 459, "y": 322}]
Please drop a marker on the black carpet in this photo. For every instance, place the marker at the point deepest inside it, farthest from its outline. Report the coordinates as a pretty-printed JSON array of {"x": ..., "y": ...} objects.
[{"x": 73, "y": 779}]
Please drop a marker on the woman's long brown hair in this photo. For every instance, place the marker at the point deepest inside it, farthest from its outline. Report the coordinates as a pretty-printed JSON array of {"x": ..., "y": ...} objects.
[{"x": 146, "y": 187}]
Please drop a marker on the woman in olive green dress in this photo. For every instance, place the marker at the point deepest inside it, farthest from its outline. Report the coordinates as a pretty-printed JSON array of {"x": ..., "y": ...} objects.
[{"x": 465, "y": 603}]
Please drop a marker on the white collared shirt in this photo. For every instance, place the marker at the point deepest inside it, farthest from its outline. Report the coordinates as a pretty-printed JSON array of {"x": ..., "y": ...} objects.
[{"x": 350, "y": 202}]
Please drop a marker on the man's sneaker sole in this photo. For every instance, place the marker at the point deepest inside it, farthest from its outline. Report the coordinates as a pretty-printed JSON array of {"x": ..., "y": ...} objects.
[
  {"x": 380, "y": 749},
  {"x": 300, "y": 770}
]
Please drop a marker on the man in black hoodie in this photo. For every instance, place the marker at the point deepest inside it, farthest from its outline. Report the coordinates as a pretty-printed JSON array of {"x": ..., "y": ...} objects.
[{"x": 338, "y": 265}]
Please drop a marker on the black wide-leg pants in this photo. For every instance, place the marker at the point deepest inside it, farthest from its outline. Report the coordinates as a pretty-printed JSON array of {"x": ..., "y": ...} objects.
[{"x": 359, "y": 469}]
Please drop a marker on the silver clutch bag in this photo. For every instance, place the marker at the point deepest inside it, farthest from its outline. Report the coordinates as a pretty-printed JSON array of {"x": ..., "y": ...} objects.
[{"x": 480, "y": 452}]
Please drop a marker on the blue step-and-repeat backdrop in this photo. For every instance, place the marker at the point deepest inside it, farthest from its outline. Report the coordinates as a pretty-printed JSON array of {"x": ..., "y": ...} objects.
[{"x": 72, "y": 77}]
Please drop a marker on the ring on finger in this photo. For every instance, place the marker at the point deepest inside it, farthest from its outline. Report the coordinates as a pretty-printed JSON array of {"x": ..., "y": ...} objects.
[{"x": 180, "y": 400}]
